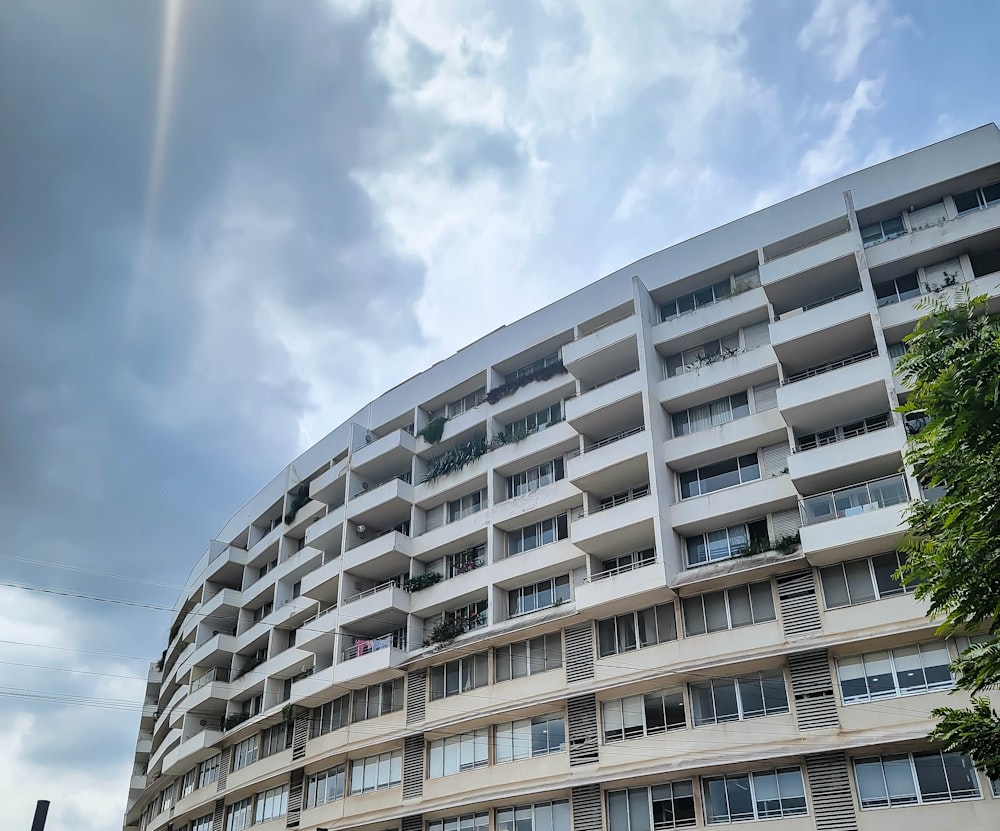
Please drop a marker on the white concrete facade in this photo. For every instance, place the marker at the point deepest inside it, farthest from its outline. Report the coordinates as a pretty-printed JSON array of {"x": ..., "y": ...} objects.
[{"x": 662, "y": 515}]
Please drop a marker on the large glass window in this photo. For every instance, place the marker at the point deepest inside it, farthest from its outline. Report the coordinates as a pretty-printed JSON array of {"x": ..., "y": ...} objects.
[
  {"x": 858, "y": 581},
  {"x": 239, "y": 815},
  {"x": 715, "y": 477},
  {"x": 735, "y": 699},
  {"x": 528, "y": 371},
  {"x": 456, "y": 754},
  {"x": 466, "y": 822},
  {"x": 326, "y": 786},
  {"x": 534, "y": 478},
  {"x": 378, "y": 700},
  {"x": 754, "y": 796},
  {"x": 897, "y": 290},
  {"x": 271, "y": 804},
  {"x": 537, "y": 596},
  {"x": 537, "y": 534},
  {"x": 891, "y": 673},
  {"x": 459, "y": 676},
  {"x": 275, "y": 739},
  {"x": 913, "y": 778},
  {"x": 542, "y": 816},
  {"x": 469, "y": 504},
  {"x": 533, "y": 422},
  {"x": 518, "y": 660},
  {"x": 707, "y": 353},
  {"x": 725, "y": 543},
  {"x": 881, "y": 231},
  {"x": 636, "y": 630},
  {"x": 529, "y": 737},
  {"x": 696, "y": 299},
  {"x": 728, "y": 609},
  {"x": 331, "y": 716},
  {"x": 974, "y": 200},
  {"x": 189, "y": 781},
  {"x": 720, "y": 411},
  {"x": 670, "y": 805},
  {"x": 643, "y": 715},
  {"x": 245, "y": 753},
  {"x": 209, "y": 771},
  {"x": 203, "y": 823},
  {"x": 375, "y": 773}
]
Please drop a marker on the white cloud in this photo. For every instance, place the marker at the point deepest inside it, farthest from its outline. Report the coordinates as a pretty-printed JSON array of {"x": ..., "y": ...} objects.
[{"x": 841, "y": 32}]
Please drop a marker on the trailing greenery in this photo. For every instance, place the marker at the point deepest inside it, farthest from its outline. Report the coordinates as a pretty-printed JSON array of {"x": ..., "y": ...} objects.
[
  {"x": 446, "y": 630},
  {"x": 511, "y": 387},
  {"x": 467, "y": 452},
  {"x": 433, "y": 431},
  {"x": 953, "y": 366},
  {"x": 421, "y": 581},
  {"x": 783, "y": 545},
  {"x": 235, "y": 718},
  {"x": 299, "y": 499}
]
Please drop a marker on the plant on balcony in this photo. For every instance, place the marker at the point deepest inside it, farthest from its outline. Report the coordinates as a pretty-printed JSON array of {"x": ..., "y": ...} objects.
[
  {"x": 289, "y": 712},
  {"x": 783, "y": 545},
  {"x": 707, "y": 360},
  {"x": 446, "y": 630},
  {"x": 299, "y": 499},
  {"x": 467, "y": 452},
  {"x": 466, "y": 561},
  {"x": 511, "y": 387},
  {"x": 433, "y": 431},
  {"x": 421, "y": 581},
  {"x": 235, "y": 718}
]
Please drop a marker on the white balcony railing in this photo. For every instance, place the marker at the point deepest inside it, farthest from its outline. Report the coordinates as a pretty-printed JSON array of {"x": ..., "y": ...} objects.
[{"x": 857, "y": 499}]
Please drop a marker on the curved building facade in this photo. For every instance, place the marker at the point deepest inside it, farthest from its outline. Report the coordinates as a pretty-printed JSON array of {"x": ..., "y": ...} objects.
[{"x": 625, "y": 564}]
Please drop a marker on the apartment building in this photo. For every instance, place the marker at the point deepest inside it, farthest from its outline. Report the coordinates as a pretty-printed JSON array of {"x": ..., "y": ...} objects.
[{"x": 625, "y": 564}]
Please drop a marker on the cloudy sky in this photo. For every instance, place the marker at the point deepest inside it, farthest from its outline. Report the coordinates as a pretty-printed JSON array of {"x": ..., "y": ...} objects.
[{"x": 224, "y": 226}]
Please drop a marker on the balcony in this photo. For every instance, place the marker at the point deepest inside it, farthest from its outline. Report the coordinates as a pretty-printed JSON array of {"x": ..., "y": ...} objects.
[
  {"x": 215, "y": 650},
  {"x": 384, "y": 553},
  {"x": 192, "y": 750},
  {"x": 326, "y": 533},
  {"x": 386, "y": 601},
  {"x": 592, "y": 407},
  {"x": 712, "y": 321},
  {"x": 318, "y": 633},
  {"x": 541, "y": 445},
  {"x": 864, "y": 449},
  {"x": 329, "y": 487},
  {"x": 855, "y": 500},
  {"x": 539, "y": 504},
  {"x": 807, "y": 257},
  {"x": 899, "y": 319},
  {"x": 733, "y": 505},
  {"x": 371, "y": 660},
  {"x": 550, "y": 560},
  {"x": 322, "y": 583},
  {"x": 819, "y": 318},
  {"x": 600, "y": 352},
  {"x": 834, "y": 391},
  {"x": 724, "y": 377},
  {"x": 625, "y": 526},
  {"x": 384, "y": 503},
  {"x": 622, "y": 587},
  {"x": 732, "y": 438},
  {"x": 392, "y": 451},
  {"x": 591, "y": 469}
]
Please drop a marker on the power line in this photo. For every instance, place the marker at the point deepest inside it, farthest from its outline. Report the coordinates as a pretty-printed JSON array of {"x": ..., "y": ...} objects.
[{"x": 83, "y": 570}]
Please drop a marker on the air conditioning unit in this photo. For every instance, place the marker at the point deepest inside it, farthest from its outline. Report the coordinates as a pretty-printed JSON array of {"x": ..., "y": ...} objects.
[
  {"x": 370, "y": 438},
  {"x": 365, "y": 486},
  {"x": 361, "y": 530}
]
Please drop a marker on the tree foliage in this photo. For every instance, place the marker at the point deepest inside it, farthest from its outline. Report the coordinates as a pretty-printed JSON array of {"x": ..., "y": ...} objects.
[{"x": 953, "y": 366}]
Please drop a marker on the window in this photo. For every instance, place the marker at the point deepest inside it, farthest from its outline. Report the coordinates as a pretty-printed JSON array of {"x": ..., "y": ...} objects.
[
  {"x": 725, "y": 543},
  {"x": 696, "y": 299},
  {"x": 459, "y": 676},
  {"x": 995, "y": 787},
  {"x": 628, "y": 562},
  {"x": 245, "y": 753},
  {"x": 525, "y": 373},
  {"x": 881, "y": 231},
  {"x": 378, "y": 700},
  {"x": 262, "y": 612},
  {"x": 331, "y": 716},
  {"x": 463, "y": 561},
  {"x": 735, "y": 699},
  {"x": 253, "y": 706},
  {"x": 326, "y": 786},
  {"x": 542, "y": 816},
  {"x": 188, "y": 782},
  {"x": 275, "y": 739},
  {"x": 720, "y": 411},
  {"x": 534, "y": 478},
  {"x": 728, "y": 608},
  {"x": 726, "y": 474},
  {"x": 858, "y": 581},
  {"x": 975, "y": 200},
  {"x": 271, "y": 804},
  {"x": 209, "y": 771},
  {"x": 895, "y": 672},
  {"x": 706, "y": 353},
  {"x": 620, "y": 498},
  {"x": 898, "y": 290},
  {"x": 551, "y": 592},
  {"x": 456, "y": 754},
  {"x": 202, "y": 823},
  {"x": 762, "y": 795},
  {"x": 375, "y": 773},
  {"x": 167, "y": 798},
  {"x": 530, "y": 737},
  {"x": 643, "y": 715},
  {"x": 536, "y": 535},
  {"x": 466, "y": 822},
  {"x": 914, "y": 778},
  {"x": 473, "y": 616},
  {"x": 636, "y": 630},
  {"x": 670, "y": 805},
  {"x": 466, "y": 506},
  {"x": 530, "y": 657},
  {"x": 466, "y": 402},
  {"x": 239, "y": 815},
  {"x": 533, "y": 422}
]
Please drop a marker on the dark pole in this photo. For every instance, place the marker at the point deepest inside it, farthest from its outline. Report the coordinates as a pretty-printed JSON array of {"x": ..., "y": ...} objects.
[{"x": 41, "y": 812}]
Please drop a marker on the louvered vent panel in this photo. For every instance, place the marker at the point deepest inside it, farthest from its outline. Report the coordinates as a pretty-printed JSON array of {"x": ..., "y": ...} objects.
[
  {"x": 220, "y": 812},
  {"x": 582, "y": 714},
  {"x": 295, "y": 798},
  {"x": 416, "y": 696},
  {"x": 812, "y": 686},
  {"x": 758, "y": 334},
  {"x": 786, "y": 522},
  {"x": 775, "y": 458},
  {"x": 413, "y": 822},
  {"x": 799, "y": 606},
  {"x": 413, "y": 767},
  {"x": 586, "y": 808},
  {"x": 579, "y": 652},
  {"x": 765, "y": 396},
  {"x": 300, "y": 735},
  {"x": 223, "y": 769},
  {"x": 831, "y": 792}
]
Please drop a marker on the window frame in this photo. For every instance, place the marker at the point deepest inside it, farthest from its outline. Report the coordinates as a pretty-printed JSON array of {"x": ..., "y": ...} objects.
[
  {"x": 640, "y": 704},
  {"x": 917, "y": 797},
  {"x": 893, "y": 672},
  {"x": 515, "y": 541},
  {"x": 559, "y": 589},
  {"x": 756, "y": 529},
  {"x": 721, "y": 290},
  {"x": 513, "y": 662},
  {"x": 469, "y": 751},
  {"x": 525, "y": 423},
  {"x": 321, "y": 779},
  {"x": 737, "y": 686},
  {"x": 239, "y": 815},
  {"x": 395, "y": 690},
  {"x": 322, "y": 717},
  {"x": 633, "y": 796},
  {"x": 532, "y": 478},
  {"x": 752, "y": 786},
  {"x": 755, "y": 619},
  {"x": 275, "y": 799},
  {"x": 392, "y": 760},
  {"x": 873, "y": 575},
  {"x": 472, "y": 670},
  {"x": 661, "y": 612},
  {"x": 557, "y": 810},
  {"x": 688, "y": 430},
  {"x": 508, "y": 748},
  {"x": 246, "y": 752}
]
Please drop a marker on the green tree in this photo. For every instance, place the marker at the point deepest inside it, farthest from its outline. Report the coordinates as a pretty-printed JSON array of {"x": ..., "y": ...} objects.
[{"x": 953, "y": 365}]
